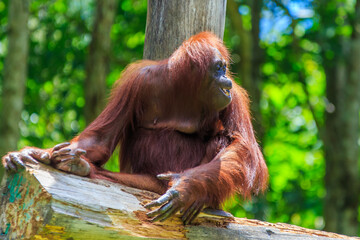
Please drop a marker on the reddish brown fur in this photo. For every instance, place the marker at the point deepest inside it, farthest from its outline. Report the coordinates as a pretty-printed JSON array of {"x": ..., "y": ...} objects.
[{"x": 222, "y": 157}]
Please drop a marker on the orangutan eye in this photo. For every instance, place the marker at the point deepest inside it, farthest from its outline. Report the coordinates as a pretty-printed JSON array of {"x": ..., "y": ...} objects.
[{"x": 219, "y": 66}]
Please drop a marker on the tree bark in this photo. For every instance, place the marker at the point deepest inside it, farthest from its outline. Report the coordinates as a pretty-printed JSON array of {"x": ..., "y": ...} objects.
[
  {"x": 342, "y": 134},
  {"x": 15, "y": 73},
  {"x": 98, "y": 59},
  {"x": 169, "y": 23},
  {"x": 44, "y": 203}
]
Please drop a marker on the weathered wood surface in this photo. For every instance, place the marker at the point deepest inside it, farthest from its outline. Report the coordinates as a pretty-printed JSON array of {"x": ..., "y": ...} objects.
[
  {"x": 43, "y": 203},
  {"x": 169, "y": 23}
]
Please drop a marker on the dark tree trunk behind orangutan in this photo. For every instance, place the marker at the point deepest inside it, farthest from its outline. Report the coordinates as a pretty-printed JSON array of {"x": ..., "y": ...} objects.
[
  {"x": 15, "y": 73},
  {"x": 251, "y": 57},
  {"x": 169, "y": 23},
  {"x": 97, "y": 62}
]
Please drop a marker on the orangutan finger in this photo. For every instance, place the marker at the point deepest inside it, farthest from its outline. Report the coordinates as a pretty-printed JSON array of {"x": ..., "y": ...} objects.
[
  {"x": 169, "y": 195},
  {"x": 17, "y": 161},
  {"x": 79, "y": 152},
  {"x": 60, "y": 145},
  {"x": 60, "y": 152}
]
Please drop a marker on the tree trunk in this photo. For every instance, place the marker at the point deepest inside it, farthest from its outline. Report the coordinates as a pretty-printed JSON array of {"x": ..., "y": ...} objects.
[
  {"x": 15, "y": 73},
  {"x": 97, "y": 63},
  {"x": 341, "y": 136},
  {"x": 251, "y": 55},
  {"x": 244, "y": 48},
  {"x": 256, "y": 63},
  {"x": 44, "y": 203},
  {"x": 169, "y": 23}
]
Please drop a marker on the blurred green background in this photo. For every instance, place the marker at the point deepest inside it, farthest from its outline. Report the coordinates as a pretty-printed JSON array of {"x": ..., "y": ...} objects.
[{"x": 300, "y": 43}]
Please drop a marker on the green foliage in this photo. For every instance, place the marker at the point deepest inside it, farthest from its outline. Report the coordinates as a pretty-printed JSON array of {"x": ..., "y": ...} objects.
[
  {"x": 292, "y": 106},
  {"x": 3, "y": 40},
  {"x": 60, "y": 33}
]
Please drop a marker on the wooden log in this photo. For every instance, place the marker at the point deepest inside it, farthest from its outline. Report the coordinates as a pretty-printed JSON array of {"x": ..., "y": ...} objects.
[
  {"x": 169, "y": 23},
  {"x": 43, "y": 203}
]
